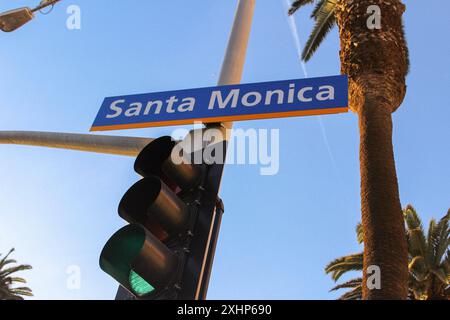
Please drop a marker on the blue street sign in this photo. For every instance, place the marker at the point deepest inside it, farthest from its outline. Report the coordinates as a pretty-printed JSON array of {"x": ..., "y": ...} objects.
[{"x": 263, "y": 100}]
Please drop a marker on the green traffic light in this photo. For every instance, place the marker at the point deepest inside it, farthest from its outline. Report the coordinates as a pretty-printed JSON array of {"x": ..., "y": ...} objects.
[
  {"x": 138, "y": 260},
  {"x": 139, "y": 285},
  {"x": 117, "y": 258}
]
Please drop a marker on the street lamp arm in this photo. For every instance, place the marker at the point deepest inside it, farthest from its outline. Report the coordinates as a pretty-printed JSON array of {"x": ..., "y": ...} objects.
[
  {"x": 45, "y": 4},
  {"x": 125, "y": 146}
]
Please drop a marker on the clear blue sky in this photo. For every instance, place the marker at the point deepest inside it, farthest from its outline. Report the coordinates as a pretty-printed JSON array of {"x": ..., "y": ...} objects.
[{"x": 59, "y": 207}]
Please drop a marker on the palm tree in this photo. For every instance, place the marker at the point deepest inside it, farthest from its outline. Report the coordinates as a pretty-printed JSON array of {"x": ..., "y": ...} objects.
[
  {"x": 376, "y": 62},
  {"x": 7, "y": 280},
  {"x": 429, "y": 261}
]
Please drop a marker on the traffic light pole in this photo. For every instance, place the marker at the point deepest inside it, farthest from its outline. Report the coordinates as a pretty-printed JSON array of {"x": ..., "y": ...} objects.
[
  {"x": 125, "y": 146},
  {"x": 231, "y": 73},
  {"x": 233, "y": 64}
]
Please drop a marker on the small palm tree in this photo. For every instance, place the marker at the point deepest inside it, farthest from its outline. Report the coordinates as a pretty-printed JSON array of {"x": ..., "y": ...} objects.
[
  {"x": 8, "y": 280},
  {"x": 429, "y": 261},
  {"x": 429, "y": 257}
]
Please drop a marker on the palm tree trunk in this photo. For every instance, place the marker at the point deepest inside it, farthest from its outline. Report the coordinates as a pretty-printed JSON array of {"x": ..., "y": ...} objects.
[
  {"x": 376, "y": 61},
  {"x": 382, "y": 217}
]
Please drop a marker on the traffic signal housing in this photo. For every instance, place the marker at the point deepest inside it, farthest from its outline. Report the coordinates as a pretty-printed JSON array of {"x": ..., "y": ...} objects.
[{"x": 166, "y": 251}]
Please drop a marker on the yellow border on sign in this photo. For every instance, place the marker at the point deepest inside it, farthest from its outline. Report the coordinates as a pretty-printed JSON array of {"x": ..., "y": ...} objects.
[{"x": 221, "y": 119}]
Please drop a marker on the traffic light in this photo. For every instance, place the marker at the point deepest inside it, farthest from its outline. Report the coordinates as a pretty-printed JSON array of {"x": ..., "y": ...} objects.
[{"x": 166, "y": 251}]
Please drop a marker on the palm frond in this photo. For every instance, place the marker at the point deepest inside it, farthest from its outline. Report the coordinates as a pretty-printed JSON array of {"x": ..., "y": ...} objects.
[
  {"x": 446, "y": 263},
  {"x": 7, "y": 281},
  {"x": 412, "y": 219},
  {"x": 342, "y": 265},
  {"x": 317, "y": 9},
  {"x": 349, "y": 284},
  {"x": 2, "y": 262},
  {"x": 297, "y": 5},
  {"x": 418, "y": 268},
  {"x": 355, "y": 294},
  {"x": 443, "y": 239},
  {"x": 6, "y": 262},
  {"x": 417, "y": 241},
  {"x": 6, "y": 272},
  {"x": 14, "y": 297},
  {"x": 18, "y": 280},
  {"x": 7, "y": 291},
  {"x": 23, "y": 291},
  {"x": 360, "y": 233},
  {"x": 440, "y": 274},
  {"x": 438, "y": 240},
  {"x": 430, "y": 239},
  {"x": 325, "y": 21}
]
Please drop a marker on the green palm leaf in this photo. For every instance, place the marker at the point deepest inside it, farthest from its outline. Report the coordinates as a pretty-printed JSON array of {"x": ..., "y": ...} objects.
[
  {"x": 354, "y": 283},
  {"x": 430, "y": 239},
  {"x": 7, "y": 291},
  {"x": 6, "y": 272},
  {"x": 325, "y": 21},
  {"x": 360, "y": 233},
  {"x": 9, "y": 261},
  {"x": 418, "y": 268},
  {"x": 18, "y": 280},
  {"x": 446, "y": 263},
  {"x": 416, "y": 235},
  {"x": 438, "y": 241},
  {"x": 355, "y": 294},
  {"x": 443, "y": 240},
  {"x": 317, "y": 9},
  {"x": 12, "y": 280},
  {"x": 297, "y": 5},
  {"x": 3, "y": 261},
  {"x": 342, "y": 265},
  {"x": 22, "y": 291}
]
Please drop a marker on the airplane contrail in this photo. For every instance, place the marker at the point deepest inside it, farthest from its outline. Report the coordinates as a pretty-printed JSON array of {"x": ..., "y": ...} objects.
[
  {"x": 298, "y": 44},
  {"x": 296, "y": 36}
]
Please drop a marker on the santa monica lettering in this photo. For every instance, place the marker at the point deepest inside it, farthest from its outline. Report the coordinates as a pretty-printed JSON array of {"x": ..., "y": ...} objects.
[
  {"x": 254, "y": 98},
  {"x": 237, "y": 102},
  {"x": 218, "y": 100}
]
